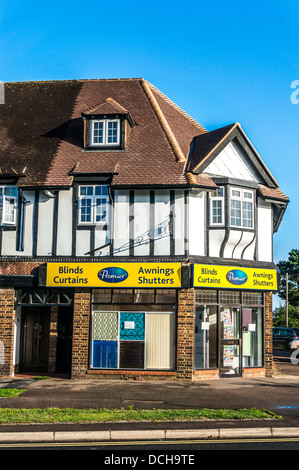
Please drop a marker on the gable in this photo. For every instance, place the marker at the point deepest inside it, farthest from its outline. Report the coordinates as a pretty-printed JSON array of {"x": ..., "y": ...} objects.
[
  {"x": 205, "y": 148},
  {"x": 232, "y": 162}
]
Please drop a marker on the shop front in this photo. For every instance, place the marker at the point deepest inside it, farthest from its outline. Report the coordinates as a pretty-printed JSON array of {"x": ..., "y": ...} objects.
[
  {"x": 141, "y": 319},
  {"x": 232, "y": 319}
]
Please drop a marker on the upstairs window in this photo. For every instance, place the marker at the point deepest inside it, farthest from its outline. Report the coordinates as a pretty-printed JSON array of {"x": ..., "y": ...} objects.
[
  {"x": 105, "y": 132},
  {"x": 241, "y": 208},
  {"x": 8, "y": 205},
  {"x": 93, "y": 205},
  {"x": 217, "y": 207}
]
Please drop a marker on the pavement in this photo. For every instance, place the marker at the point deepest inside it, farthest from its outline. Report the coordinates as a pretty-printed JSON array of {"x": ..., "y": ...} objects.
[{"x": 278, "y": 394}]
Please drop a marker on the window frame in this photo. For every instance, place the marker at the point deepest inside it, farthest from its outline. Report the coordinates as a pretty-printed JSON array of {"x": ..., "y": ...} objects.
[
  {"x": 105, "y": 143},
  {"x": 3, "y": 203},
  {"x": 93, "y": 206},
  {"x": 242, "y": 199},
  {"x": 213, "y": 199}
]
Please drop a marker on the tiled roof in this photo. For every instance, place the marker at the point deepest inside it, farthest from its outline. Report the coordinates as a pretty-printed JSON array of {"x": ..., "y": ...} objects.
[
  {"x": 205, "y": 143},
  {"x": 273, "y": 193},
  {"x": 42, "y": 130}
]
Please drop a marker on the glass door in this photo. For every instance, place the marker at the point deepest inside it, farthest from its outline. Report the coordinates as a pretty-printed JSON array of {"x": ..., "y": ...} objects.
[{"x": 230, "y": 343}]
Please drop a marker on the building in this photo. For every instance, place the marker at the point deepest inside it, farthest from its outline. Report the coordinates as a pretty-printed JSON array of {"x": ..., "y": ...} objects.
[{"x": 133, "y": 242}]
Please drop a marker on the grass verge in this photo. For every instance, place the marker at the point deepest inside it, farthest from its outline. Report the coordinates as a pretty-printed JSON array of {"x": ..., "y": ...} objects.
[
  {"x": 69, "y": 415},
  {"x": 11, "y": 392}
]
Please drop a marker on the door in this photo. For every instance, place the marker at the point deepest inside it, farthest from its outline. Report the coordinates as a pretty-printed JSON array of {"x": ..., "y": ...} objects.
[
  {"x": 230, "y": 343},
  {"x": 35, "y": 339},
  {"x": 64, "y": 340}
]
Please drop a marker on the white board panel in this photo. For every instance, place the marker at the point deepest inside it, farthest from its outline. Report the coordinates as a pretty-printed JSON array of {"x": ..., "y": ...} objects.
[
  {"x": 141, "y": 223},
  {"x": 233, "y": 162},
  {"x": 216, "y": 238},
  {"x": 121, "y": 223},
  {"x": 264, "y": 214},
  {"x": 179, "y": 223},
  {"x": 64, "y": 223},
  {"x": 162, "y": 214},
  {"x": 45, "y": 225},
  {"x": 197, "y": 223}
]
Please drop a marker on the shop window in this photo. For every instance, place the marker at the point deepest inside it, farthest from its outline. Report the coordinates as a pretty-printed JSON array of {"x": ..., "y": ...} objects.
[
  {"x": 206, "y": 337},
  {"x": 230, "y": 297},
  {"x": 240, "y": 317},
  {"x": 253, "y": 298},
  {"x": 206, "y": 296},
  {"x": 144, "y": 296},
  {"x": 102, "y": 296},
  {"x": 252, "y": 337},
  {"x": 132, "y": 340},
  {"x": 166, "y": 296},
  {"x": 122, "y": 296}
]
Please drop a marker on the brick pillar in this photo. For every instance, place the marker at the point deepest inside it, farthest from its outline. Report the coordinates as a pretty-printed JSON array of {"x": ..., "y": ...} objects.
[
  {"x": 268, "y": 335},
  {"x": 80, "y": 332},
  {"x": 185, "y": 334},
  {"x": 53, "y": 338},
  {"x": 7, "y": 324}
]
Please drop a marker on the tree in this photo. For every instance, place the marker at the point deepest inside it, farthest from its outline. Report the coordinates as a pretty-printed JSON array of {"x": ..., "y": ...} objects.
[
  {"x": 279, "y": 316},
  {"x": 290, "y": 267}
]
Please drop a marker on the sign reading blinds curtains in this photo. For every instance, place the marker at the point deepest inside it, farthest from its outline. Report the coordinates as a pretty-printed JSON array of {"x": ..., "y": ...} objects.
[{"x": 132, "y": 340}]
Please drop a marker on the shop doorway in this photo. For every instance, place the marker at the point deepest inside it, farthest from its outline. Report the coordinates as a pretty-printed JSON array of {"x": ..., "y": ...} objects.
[
  {"x": 230, "y": 343},
  {"x": 35, "y": 339},
  {"x": 64, "y": 340}
]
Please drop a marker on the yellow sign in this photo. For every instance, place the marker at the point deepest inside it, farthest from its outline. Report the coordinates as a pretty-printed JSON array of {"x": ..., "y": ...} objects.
[
  {"x": 228, "y": 277},
  {"x": 117, "y": 275}
]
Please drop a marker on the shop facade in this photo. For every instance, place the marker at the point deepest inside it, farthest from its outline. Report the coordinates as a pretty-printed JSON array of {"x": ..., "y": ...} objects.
[
  {"x": 181, "y": 332},
  {"x": 133, "y": 242}
]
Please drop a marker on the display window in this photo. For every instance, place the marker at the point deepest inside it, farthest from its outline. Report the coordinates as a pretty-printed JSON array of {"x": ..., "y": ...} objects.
[
  {"x": 135, "y": 339},
  {"x": 228, "y": 330}
]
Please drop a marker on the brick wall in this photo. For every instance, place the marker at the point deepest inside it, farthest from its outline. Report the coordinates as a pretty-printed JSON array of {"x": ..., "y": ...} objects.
[
  {"x": 185, "y": 334},
  {"x": 7, "y": 322},
  {"x": 80, "y": 332}
]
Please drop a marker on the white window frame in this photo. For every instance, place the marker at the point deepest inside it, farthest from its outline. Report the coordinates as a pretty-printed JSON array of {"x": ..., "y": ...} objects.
[
  {"x": 4, "y": 200},
  {"x": 105, "y": 142},
  {"x": 217, "y": 198},
  {"x": 243, "y": 196},
  {"x": 93, "y": 198}
]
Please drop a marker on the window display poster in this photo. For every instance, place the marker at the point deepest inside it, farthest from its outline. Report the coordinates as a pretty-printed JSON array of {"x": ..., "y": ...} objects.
[
  {"x": 228, "y": 355},
  {"x": 228, "y": 330}
]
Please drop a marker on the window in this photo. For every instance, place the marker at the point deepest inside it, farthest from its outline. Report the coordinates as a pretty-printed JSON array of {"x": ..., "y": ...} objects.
[
  {"x": 241, "y": 208},
  {"x": 93, "y": 204},
  {"x": 132, "y": 340},
  {"x": 8, "y": 205},
  {"x": 217, "y": 207},
  {"x": 105, "y": 132}
]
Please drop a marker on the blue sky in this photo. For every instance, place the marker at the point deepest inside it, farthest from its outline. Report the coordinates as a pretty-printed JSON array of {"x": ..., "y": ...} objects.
[{"x": 221, "y": 61}]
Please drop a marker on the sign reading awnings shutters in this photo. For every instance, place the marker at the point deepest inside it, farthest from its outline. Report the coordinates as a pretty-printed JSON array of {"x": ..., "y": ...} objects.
[
  {"x": 228, "y": 277},
  {"x": 114, "y": 275}
]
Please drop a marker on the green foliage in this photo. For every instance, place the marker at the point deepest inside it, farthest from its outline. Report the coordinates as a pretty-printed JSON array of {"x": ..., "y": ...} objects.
[
  {"x": 291, "y": 266},
  {"x": 11, "y": 392},
  {"x": 279, "y": 316}
]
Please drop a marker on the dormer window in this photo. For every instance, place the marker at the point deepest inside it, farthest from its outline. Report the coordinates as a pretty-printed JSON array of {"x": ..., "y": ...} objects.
[
  {"x": 106, "y": 125},
  {"x": 105, "y": 132}
]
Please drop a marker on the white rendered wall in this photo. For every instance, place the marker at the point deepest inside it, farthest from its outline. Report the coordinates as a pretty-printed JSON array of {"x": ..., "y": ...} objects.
[
  {"x": 264, "y": 236},
  {"x": 197, "y": 227}
]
